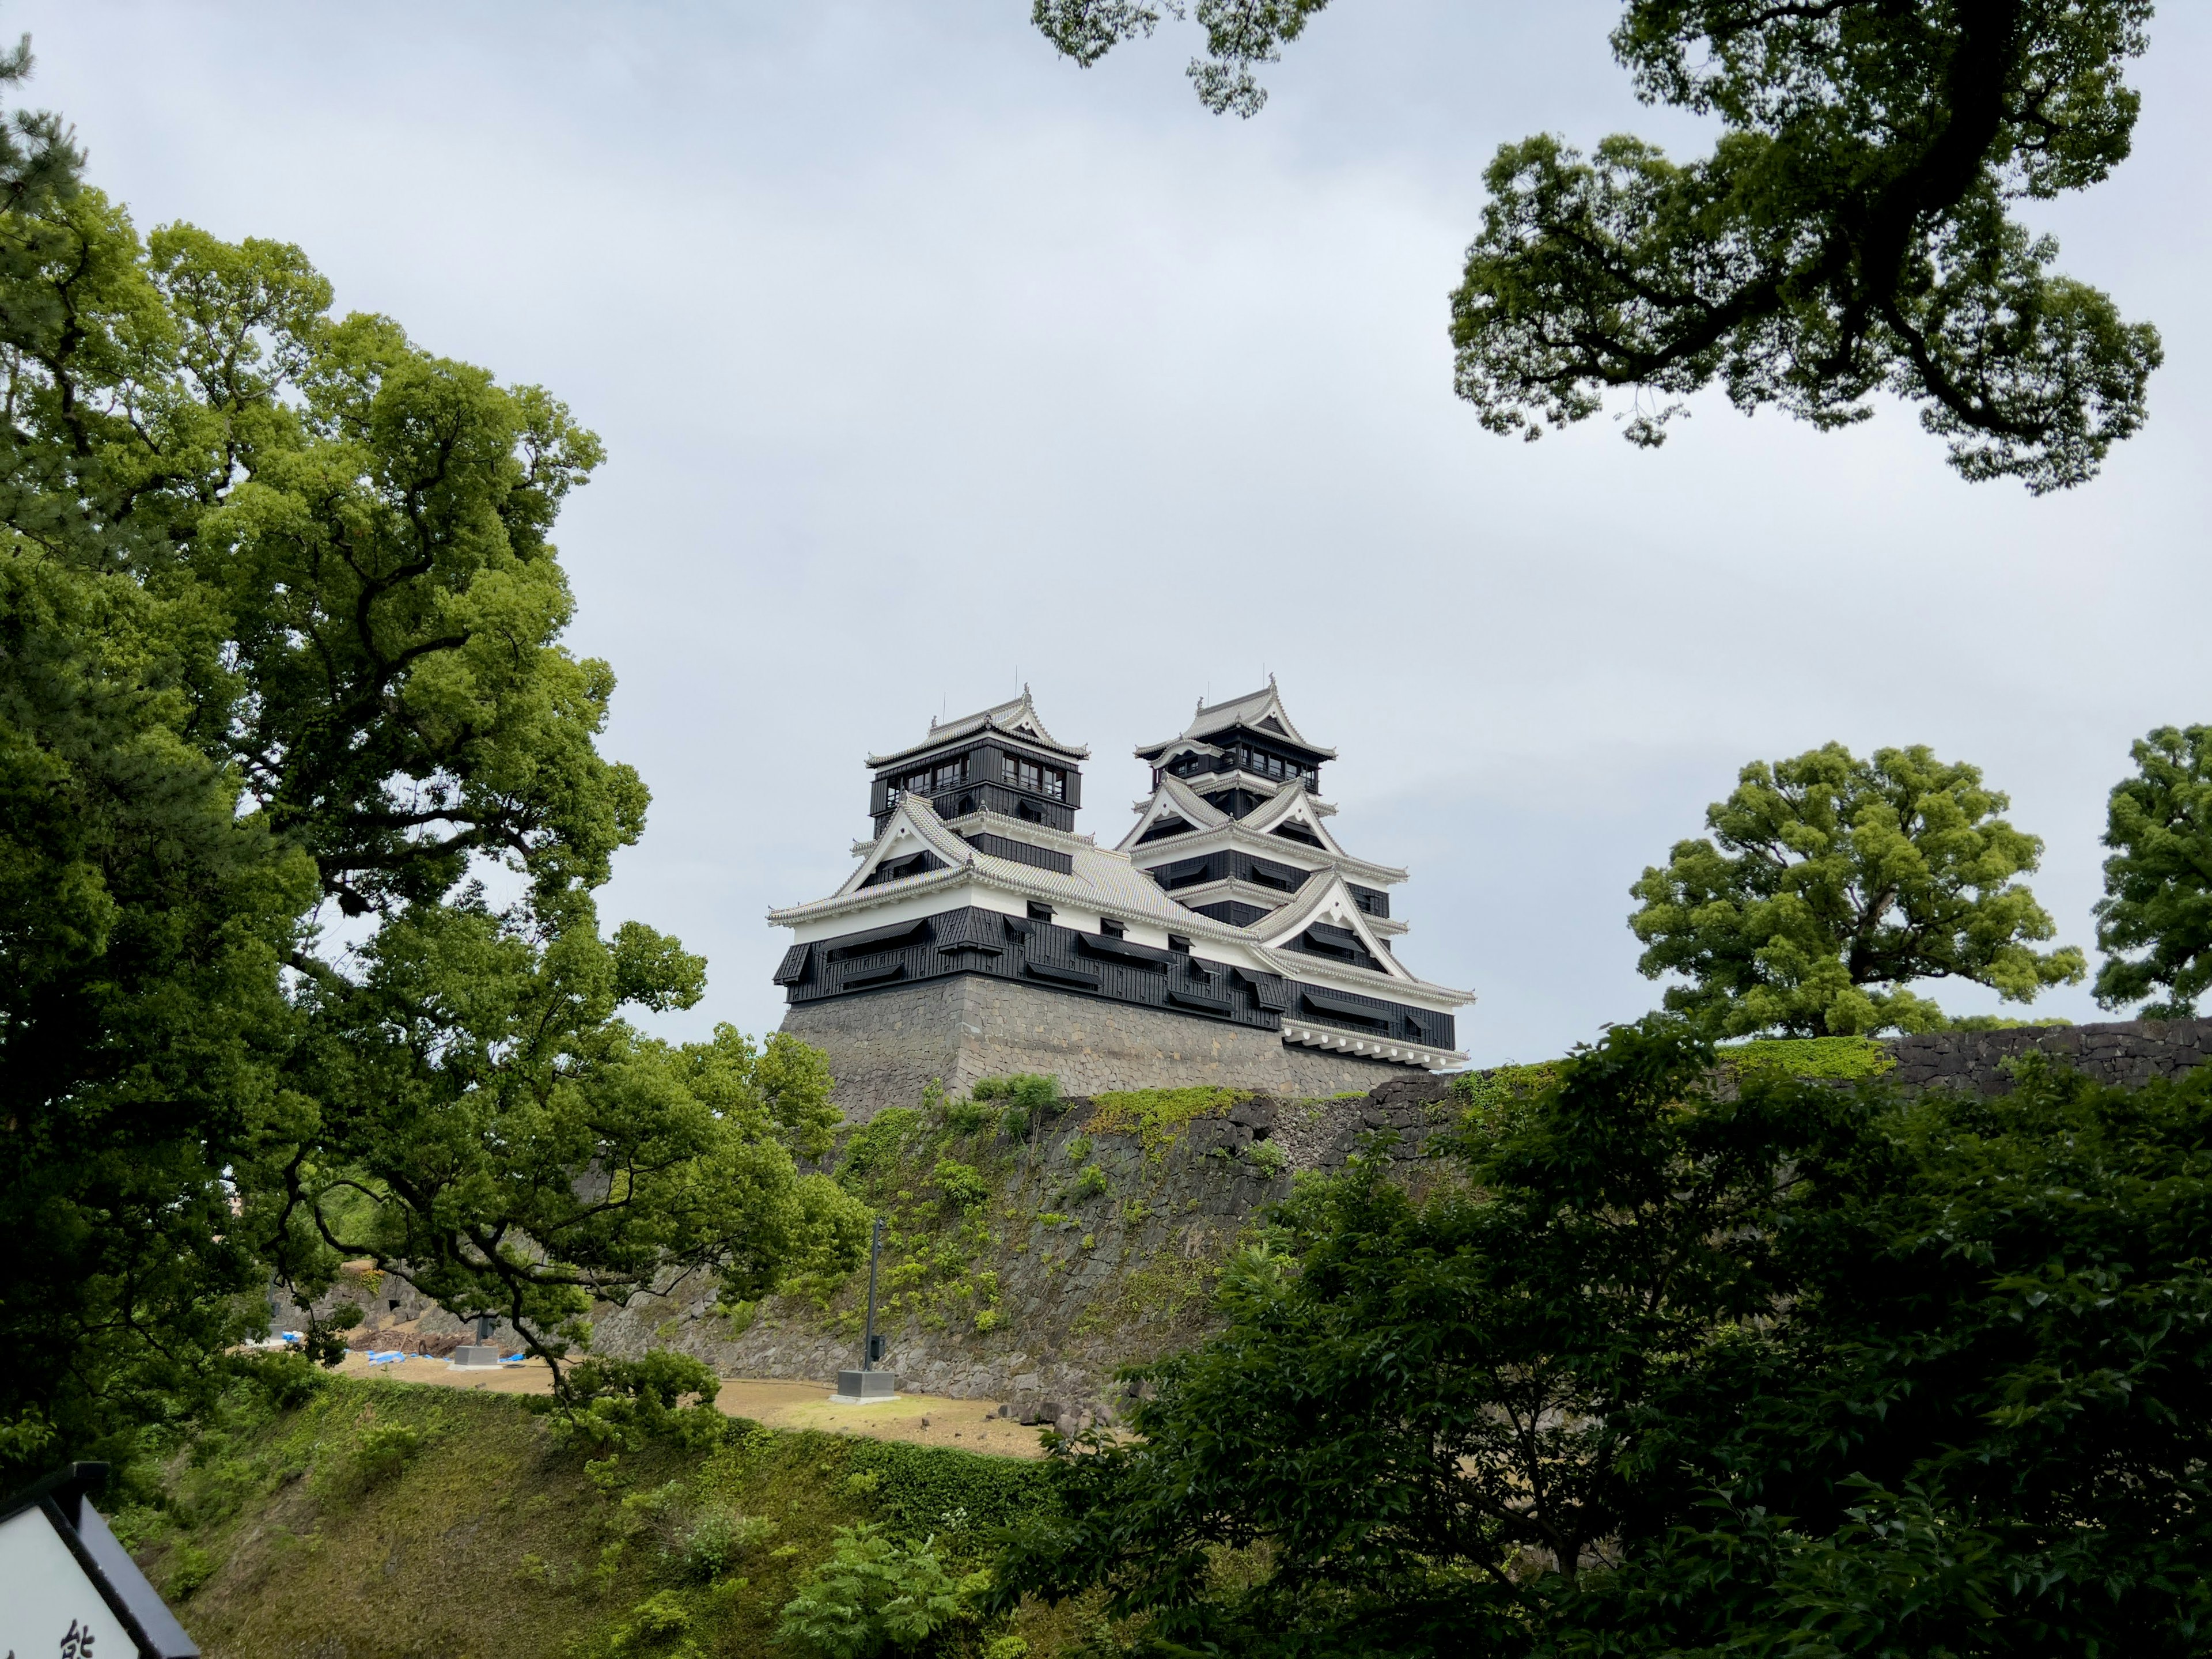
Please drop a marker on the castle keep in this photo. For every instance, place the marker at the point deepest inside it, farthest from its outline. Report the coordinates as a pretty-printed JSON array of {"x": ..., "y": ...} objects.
[{"x": 1228, "y": 939}]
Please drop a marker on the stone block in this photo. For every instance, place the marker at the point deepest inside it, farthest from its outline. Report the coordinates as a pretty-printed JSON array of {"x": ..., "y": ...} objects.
[{"x": 885, "y": 1047}]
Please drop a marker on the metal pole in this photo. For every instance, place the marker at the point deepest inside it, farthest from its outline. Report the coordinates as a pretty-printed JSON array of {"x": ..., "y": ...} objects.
[{"x": 868, "y": 1341}]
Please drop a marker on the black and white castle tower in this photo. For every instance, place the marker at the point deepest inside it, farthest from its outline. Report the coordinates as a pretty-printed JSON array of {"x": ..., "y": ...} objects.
[{"x": 1228, "y": 939}]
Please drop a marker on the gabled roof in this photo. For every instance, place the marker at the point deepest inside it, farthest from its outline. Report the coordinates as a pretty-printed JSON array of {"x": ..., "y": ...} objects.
[
  {"x": 1211, "y": 827},
  {"x": 1260, "y": 711},
  {"x": 1173, "y": 799},
  {"x": 1292, "y": 803},
  {"x": 1100, "y": 879},
  {"x": 1016, "y": 719},
  {"x": 1328, "y": 900}
]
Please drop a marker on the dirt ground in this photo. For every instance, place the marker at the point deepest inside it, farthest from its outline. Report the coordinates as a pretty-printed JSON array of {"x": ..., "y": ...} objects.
[{"x": 926, "y": 1420}]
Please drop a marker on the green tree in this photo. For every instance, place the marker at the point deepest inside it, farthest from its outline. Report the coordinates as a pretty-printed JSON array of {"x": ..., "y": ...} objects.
[
  {"x": 280, "y": 635},
  {"x": 2158, "y": 883},
  {"x": 1851, "y": 233},
  {"x": 1829, "y": 883},
  {"x": 1646, "y": 1370}
]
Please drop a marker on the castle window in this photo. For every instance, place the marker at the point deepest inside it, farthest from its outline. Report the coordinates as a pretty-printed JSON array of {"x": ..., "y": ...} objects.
[
  {"x": 1179, "y": 944},
  {"x": 1039, "y": 912},
  {"x": 1111, "y": 928},
  {"x": 1047, "y": 780}
]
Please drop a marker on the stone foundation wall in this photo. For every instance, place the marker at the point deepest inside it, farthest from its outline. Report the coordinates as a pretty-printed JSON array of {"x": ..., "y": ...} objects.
[
  {"x": 2128, "y": 1052},
  {"x": 885, "y": 1046},
  {"x": 1116, "y": 1276}
]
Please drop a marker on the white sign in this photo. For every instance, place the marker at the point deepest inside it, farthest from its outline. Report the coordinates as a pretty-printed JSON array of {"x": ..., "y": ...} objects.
[{"x": 50, "y": 1608}]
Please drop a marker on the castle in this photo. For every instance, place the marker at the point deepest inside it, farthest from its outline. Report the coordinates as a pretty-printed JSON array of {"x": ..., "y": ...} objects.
[{"x": 1229, "y": 937}]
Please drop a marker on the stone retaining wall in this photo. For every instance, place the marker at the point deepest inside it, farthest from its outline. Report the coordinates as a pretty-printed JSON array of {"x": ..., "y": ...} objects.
[
  {"x": 885, "y": 1046},
  {"x": 2129, "y": 1051}
]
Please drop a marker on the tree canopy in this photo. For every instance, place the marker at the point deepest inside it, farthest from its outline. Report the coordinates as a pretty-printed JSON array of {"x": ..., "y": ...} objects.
[
  {"x": 280, "y": 648},
  {"x": 1652, "y": 1368},
  {"x": 1830, "y": 884},
  {"x": 1853, "y": 231},
  {"x": 2158, "y": 883}
]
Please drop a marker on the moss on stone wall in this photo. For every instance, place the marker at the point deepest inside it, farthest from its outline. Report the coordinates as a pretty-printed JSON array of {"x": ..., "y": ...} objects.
[
  {"x": 1842, "y": 1059},
  {"x": 1158, "y": 1116}
]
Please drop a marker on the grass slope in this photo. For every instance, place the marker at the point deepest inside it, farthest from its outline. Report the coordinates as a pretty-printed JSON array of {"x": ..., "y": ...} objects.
[{"x": 378, "y": 1518}]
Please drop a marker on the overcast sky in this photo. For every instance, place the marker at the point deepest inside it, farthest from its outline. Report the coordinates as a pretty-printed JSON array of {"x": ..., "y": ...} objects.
[{"x": 928, "y": 365}]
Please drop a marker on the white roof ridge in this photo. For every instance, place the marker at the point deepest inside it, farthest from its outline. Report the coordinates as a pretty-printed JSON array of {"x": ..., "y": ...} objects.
[
  {"x": 1040, "y": 835},
  {"x": 1283, "y": 805},
  {"x": 1297, "y": 915},
  {"x": 1006, "y": 718},
  {"x": 1235, "y": 831},
  {"x": 1201, "y": 814},
  {"x": 1247, "y": 710}
]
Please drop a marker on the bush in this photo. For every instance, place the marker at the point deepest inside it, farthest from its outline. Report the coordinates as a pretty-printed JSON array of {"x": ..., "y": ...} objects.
[
  {"x": 874, "y": 1148},
  {"x": 650, "y": 1622},
  {"x": 1031, "y": 1099},
  {"x": 1089, "y": 1183},
  {"x": 964, "y": 1117},
  {"x": 1267, "y": 1158},
  {"x": 938, "y": 1491},
  {"x": 961, "y": 1184},
  {"x": 718, "y": 1541},
  {"x": 189, "y": 1570},
  {"x": 873, "y": 1596},
  {"x": 382, "y": 1449},
  {"x": 617, "y": 1405}
]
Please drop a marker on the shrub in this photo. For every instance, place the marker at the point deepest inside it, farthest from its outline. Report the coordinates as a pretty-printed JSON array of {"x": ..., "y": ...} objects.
[
  {"x": 873, "y": 1596},
  {"x": 964, "y": 1117},
  {"x": 1031, "y": 1099},
  {"x": 1488, "y": 1090},
  {"x": 939, "y": 1492},
  {"x": 1079, "y": 1149},
  {"x": 382, "y": 1449},
  {"x": 617, "y": 1405},
  {"x": 961, "y": 1184},
  {"x": 190, "y": 1569},
  {"x": 1089, "y": 1183},
  {"x": 1267, "y": 1158},
  {"x": 1844, "y": 1059},
  {"x": 875, "y": 1147},
  {"x": 718, "y": 1541},
  {"x": 650, "y": 1622}
]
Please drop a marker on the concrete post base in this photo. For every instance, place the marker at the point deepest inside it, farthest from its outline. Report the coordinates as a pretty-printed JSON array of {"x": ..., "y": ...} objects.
[
  {"x": 858, "y": 1387},
  {"x": 476, "y": 1358}
]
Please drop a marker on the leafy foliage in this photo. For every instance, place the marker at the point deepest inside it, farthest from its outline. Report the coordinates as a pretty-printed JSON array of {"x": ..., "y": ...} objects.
[
  {"x": 1844, "y": 1059},
  {"x": 1804, "y": 1370},
  {"x": 1495, "y": 1085},
  {"x": 1158, "y": 1116},
  {"x": 934, "y": 1491},
  {"x": 1851, "y": 233},
  {"x": 281, "y": 636},
  {"x": 2158, "y": 883},
  {"x": 1032, "y": 1100},
  {"x": 616, "y": 1405},
  {"x": 1830, "y": 884},
  {"x": 874, "y": 1596}
]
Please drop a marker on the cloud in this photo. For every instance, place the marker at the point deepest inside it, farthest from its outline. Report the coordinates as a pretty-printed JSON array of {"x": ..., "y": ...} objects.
[{"x": 929, "y": 365}]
